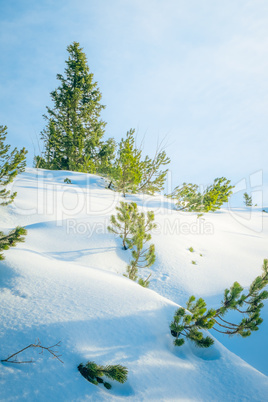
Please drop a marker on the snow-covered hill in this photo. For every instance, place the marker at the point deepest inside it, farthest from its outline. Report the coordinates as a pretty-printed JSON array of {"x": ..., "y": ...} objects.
[{"x": 65, "y": 284}]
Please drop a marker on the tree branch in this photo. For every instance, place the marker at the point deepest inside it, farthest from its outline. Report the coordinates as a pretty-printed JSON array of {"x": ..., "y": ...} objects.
[{"x": 34, "y": 345}]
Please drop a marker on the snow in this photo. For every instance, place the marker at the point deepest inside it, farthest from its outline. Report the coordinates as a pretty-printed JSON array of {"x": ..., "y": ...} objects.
[{"x": 66, "y": 283}]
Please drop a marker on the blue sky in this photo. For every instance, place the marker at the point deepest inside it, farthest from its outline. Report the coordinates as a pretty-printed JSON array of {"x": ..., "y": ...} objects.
[{"x": 192, "y": 72}]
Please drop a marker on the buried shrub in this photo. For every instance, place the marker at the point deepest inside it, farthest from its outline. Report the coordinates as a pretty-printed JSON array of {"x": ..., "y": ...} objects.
[
  {"x": 67, "y": 181},
  {"x": 94, "y": 373},
  {"x": 190, "y": 321}
]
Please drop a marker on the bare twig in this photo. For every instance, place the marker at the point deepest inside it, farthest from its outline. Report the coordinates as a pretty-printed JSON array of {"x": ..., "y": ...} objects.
[{"x": 54, "y": 353}]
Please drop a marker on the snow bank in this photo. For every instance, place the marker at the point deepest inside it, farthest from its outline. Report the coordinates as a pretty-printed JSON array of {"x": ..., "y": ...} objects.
[{"x": 65, "y": 284}]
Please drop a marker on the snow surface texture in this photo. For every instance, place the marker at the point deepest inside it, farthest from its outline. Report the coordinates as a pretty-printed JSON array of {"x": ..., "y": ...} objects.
[{"x": 66, "y": 283}]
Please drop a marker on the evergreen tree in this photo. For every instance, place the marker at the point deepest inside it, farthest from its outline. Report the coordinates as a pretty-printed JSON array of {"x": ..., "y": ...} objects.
[
  {"x": 247, "y": 200},
  {"x": 189, "y": 322},
  {"x": 216, "y": 194},
  {"x": 11, "y": 239},
  {"x": 132, "y": 174},
  {"x": 134, "y": 229},
  {"x": 142, "y": 257},
  {"x": 94, "y": 373},
  {"x": 73, "y": 133},
  {"x": 127, "y": 174},
  {"x": 123, "y": 224},
  {"x": 105, "y": 161},
  {"x": 187, "y": 197},
  {"x": 190, "y": 199},
  {"x": 11, "y": 163},
  {"x": 152, "y": 178}
]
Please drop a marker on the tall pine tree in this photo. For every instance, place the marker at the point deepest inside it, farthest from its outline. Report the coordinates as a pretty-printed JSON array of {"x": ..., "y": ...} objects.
[{"x": 72, "y": 136}]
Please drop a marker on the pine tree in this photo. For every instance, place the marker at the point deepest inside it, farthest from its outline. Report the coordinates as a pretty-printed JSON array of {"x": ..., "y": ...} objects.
[
  {"x": 131, "y": 174},
  {"x": 105, "y": 161},
  {"x": 188, "y": 197},
  {"x": 216, "y": 194},
  {"x": 11, "y": 163},
  {"x": 142, "y": 257},
  {"x": 73, "y": 133},
  {"x": 152, "y": 178},
  {"x": 123, "y": 224},
  {"x": 11, "y": 239},
  {"x": 127, "y": 174},
  {"x": 189, "y": 323},
  {"x": 94, "y": 373},
  {"x": 134, "y": 229},
  {"x": 247, "y": 200}
]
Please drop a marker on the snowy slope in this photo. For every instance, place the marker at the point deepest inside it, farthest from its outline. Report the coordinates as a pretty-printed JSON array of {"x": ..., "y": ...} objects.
[{"x": 65, "y": 284}]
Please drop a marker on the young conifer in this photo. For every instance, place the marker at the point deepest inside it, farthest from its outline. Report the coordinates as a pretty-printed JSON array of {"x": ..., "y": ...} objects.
[
  {"x": 131, "y": 174},
  {"x": 11, "y": 239},
  {"x": 153, "y": 179},
  {"x": 189, "y": 323},
  {"x": 134, "y": 229},
  {"x": 123, "y": 224},
  {"x": 127, "y": 174},
  {"x": 247, "y": 200},
  {"x": 11, "y": 163},
  {"x": 94, "y": 373},
  {"x": 142, "y": 257},
  {"x": 189, "y": 198}
]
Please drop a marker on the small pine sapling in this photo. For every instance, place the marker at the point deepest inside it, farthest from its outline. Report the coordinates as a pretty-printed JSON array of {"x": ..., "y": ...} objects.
[
  {"x": 126, "y": 173},
  {"x": 142, "y": 257},
  {"x": 144, "y": 282},
  {"x": 124, "y": 222},
  {"x": 67, "y": 181},
  {"x": 194, "y": 262},
  {"x": 11, "y": 239},
  {"x": 247, "y": 200},
  {"x": 190, "y": 321},
  {"x": 189, "y": 198},
  {"x": 93, "y": 373},
  {"x": 216, "y": 194},
  {"x": 131, "y": 174},
  {"x": 191, "y": 249},
  {"x": 11, "y": 163},
  {"x": 153, "y": 179}
]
